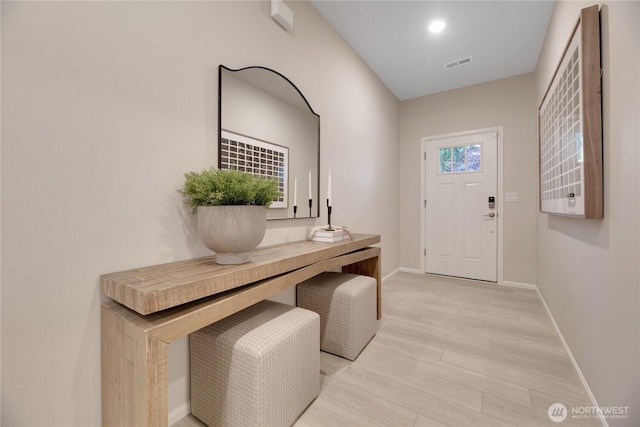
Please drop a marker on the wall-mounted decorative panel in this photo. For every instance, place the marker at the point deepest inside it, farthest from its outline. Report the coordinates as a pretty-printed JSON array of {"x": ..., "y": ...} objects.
[{"x": 570, "y": 127}]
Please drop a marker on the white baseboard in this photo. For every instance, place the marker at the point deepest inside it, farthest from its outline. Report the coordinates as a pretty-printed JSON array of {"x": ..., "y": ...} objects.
[
  {"x": 410, "y": 270},
  {"x": 518, "y": 285},
  {"x": 400, "y": 269},
  {"x": 179, "y": 413},
  {"x": 583, "y": 380},
  {"x": 390, "y": 274}
]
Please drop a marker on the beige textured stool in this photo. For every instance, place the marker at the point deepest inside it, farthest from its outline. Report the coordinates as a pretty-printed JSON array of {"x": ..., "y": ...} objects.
[
  {"x": 258, "y": 367},
  {"x": 347, "y": 307}
]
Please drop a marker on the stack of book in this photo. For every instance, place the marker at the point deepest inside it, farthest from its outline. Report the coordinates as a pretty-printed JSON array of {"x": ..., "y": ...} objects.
[{"x": 330, "y": 236}]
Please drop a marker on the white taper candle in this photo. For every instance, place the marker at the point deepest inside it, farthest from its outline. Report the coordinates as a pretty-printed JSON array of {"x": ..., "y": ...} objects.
[{"x": 329, "y": 190}]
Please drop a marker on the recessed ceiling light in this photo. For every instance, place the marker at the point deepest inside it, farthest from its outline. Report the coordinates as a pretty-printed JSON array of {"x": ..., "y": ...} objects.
[{"x": 436, "y": 26}]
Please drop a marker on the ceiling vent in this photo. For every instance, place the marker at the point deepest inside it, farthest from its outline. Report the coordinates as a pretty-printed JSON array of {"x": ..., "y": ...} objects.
[{"x": 457, "y": 63}]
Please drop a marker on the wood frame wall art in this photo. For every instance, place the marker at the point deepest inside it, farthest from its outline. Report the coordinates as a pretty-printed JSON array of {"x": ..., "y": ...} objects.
[{"x": 570, "y": 127}]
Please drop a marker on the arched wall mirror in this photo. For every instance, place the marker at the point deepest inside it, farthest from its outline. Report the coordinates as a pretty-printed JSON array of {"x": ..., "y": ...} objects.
[{"x": 267, "y": 128}]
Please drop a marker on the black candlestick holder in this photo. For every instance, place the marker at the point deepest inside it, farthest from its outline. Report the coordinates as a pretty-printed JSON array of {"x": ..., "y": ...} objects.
[
  {"x": 310, "y": 204},
  {"x": 329, "y": 228},
  {"x": 295, "y": 210}
]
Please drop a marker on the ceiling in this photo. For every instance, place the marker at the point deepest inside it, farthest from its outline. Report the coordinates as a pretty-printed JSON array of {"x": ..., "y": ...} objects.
[{"x": 503, "y": 38}]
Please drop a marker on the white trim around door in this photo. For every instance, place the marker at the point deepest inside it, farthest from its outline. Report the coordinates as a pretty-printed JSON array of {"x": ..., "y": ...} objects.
[{"x": 499, "y": 201}]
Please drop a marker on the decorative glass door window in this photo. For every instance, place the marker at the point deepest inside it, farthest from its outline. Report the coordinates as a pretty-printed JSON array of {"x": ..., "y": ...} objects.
[{"x": 461, "y": 158}]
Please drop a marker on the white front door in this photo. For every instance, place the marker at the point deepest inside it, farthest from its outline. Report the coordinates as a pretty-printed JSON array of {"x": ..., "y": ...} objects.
[{"x": 461, "y": 180}]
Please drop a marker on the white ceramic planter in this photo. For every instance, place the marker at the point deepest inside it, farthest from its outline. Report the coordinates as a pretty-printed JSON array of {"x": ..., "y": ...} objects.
[{"x": 232, "y": 232}]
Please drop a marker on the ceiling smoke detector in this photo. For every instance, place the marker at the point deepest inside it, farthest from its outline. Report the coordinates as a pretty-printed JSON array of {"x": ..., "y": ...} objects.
[{"x": 458, "y": 62}]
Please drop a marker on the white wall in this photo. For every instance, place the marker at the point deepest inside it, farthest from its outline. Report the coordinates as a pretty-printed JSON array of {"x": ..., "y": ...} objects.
[
  {"x": 506, "y": 102},
  {"x": 588, "y": 270},
  {"x": 104, "y": 106}
]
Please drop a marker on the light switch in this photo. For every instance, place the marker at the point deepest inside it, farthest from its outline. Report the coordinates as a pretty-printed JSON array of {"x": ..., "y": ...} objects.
[{"x": 511, "y": 197}]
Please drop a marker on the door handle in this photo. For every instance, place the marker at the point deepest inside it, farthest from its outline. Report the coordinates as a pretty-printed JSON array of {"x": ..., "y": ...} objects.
[{"x": 490, "y": 214}]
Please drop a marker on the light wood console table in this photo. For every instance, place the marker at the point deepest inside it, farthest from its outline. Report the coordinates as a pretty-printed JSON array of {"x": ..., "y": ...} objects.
[{"x": 154, "y": 306}]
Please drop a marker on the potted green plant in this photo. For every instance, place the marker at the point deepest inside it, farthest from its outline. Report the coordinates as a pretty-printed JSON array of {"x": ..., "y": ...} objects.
[{"x": 231, "y": 209}]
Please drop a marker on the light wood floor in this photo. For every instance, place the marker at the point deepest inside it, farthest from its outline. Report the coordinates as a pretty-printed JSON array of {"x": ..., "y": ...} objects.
[{"x": 449, "y": 352}]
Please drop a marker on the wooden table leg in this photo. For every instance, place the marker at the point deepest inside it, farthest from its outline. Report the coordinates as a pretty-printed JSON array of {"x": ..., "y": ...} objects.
[
  {"x": 369, "y": 267},
  {"x": 134, "y": 375}
]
